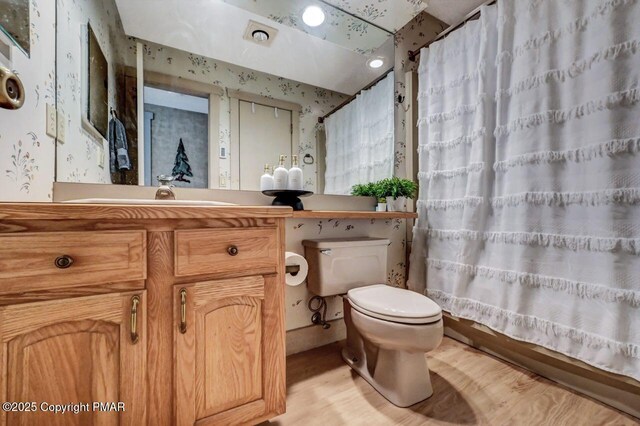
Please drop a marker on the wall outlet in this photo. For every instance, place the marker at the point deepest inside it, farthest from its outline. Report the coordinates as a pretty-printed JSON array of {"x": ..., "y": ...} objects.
[
  {"x": 51, "y": 121},
  {"x": 61, "y": 127}
]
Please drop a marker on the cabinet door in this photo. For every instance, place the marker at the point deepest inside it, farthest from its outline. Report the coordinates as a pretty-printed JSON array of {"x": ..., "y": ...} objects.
[
  {"x": 79, "y": 351},
  {"x": 230, "y": 365}
]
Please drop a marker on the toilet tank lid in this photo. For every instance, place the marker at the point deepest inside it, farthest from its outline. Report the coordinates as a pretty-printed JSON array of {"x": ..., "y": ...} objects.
[{"x": 329, "y": 243}]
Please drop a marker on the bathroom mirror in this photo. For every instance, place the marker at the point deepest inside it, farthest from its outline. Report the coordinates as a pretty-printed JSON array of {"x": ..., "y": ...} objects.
[
  {"x": 96, "y": 86},
  {"x": 98, "y": 81},
  {"x": 15, "y": 23},
  {"x": 227, "y": 88}
]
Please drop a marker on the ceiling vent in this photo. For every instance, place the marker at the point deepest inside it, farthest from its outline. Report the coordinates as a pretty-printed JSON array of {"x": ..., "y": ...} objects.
[{"x": 259, "y": 33}]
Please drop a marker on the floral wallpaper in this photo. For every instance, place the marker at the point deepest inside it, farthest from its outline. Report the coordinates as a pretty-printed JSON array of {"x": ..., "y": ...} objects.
[
  {"x": 391, "y": 15},
  {"x": 315, "y": 101},
  {"x": 26, "y": 152},
  {"x": 84, "y": 157},
  {"x": 418, "y": 31},
  {"x": 297, "y": 312}
]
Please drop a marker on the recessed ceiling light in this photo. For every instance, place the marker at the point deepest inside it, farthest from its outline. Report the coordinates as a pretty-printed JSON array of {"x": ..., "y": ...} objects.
[
  {"x": 260, "y": 36},
  {"x": 313, "y": 16},
  {"x": 375, "y": 63}
]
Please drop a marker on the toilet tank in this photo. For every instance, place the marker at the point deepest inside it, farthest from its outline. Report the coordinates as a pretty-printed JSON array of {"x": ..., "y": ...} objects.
[{"x": 337, "y": 265}]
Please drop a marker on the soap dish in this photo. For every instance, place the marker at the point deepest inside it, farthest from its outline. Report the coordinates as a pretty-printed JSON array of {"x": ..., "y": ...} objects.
[{"x": 287, "y": 197}]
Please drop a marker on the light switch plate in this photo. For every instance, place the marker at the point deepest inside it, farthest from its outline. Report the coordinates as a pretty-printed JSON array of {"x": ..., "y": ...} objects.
[
  {"x": 223, "y": 181},
  {"x": 61, "y": 124},
  {"x": 51, "y": 121}
]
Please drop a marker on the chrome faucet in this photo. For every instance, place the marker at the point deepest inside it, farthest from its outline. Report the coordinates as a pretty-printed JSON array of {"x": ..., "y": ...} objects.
[{"x": 165, "y": 192}]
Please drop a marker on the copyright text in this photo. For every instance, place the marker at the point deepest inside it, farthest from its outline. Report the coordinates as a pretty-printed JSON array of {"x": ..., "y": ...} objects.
[{"x": 75, "y": 408}]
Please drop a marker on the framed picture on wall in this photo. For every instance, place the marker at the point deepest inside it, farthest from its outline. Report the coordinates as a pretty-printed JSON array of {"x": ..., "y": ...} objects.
[
  {"x": 97, "y": 88},
  {"x": 15, "y": 23}
]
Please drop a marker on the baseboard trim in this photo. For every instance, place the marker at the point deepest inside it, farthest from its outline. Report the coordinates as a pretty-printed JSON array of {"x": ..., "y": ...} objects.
[
  {"x": 620, "y": 392},
  {"x": 313, "y": 336}
]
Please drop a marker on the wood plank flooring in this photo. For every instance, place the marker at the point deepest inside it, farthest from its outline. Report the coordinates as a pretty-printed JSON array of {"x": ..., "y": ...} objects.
[{"x": 470, "y": 388}]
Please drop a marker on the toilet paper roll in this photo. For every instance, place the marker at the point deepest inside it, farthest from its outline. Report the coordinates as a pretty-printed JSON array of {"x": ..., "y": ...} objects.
[{"x": 294, "y": 259}]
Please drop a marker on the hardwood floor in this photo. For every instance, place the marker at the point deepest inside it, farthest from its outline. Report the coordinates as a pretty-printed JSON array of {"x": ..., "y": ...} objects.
[{"x": 470, "y": 388}]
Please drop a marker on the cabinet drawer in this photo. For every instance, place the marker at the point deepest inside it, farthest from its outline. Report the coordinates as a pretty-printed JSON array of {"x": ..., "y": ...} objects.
[
  {"x": 48, "y": 260},
  {"x": 225, "y": 252}
]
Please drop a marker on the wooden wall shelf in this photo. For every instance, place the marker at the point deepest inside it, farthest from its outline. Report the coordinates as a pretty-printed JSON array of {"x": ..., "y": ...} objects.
[{"x": 335, "y": 214}]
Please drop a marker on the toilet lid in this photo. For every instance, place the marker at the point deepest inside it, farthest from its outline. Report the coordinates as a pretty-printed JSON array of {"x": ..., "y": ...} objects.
[{"x": 394, "y": 304}]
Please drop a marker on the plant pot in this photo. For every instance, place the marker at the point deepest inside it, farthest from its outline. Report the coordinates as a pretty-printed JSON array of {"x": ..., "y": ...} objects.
[
  {"x": 382, "y": 207},
  {"x": 397, "y": 205}
]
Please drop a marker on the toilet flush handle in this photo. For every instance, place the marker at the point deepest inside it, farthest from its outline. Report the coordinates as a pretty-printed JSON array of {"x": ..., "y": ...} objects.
[{"x": 326, "y": 252}]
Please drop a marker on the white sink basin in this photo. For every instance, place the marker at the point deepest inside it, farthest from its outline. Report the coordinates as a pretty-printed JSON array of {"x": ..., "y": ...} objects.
[{"x": 148, "y": 201}]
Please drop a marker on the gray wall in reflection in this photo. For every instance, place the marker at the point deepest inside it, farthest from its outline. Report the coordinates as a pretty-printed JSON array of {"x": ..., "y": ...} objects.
[{"x": 168, "y": 126}]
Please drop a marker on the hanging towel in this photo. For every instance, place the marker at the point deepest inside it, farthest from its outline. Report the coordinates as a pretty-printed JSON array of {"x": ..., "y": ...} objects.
[{"x": 118, "y": 147}]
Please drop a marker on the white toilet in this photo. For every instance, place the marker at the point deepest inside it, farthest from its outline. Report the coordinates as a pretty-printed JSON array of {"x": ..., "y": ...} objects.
[{"x": 388, "y": 329}]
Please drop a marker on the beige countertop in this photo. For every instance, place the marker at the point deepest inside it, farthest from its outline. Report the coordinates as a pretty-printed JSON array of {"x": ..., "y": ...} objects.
[{"x": 70, "y": 211}]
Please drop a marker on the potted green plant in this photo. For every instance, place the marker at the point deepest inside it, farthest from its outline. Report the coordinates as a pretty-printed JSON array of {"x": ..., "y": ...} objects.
[
  {"x": 363, "y": 190},
  {"x": 396, "y": 191},
  {"x": 380, "y": 192},
  {"x": 371, "y": 189}
]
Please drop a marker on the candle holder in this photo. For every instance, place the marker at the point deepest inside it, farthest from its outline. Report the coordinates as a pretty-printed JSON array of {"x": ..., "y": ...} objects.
[{"x": 287, "y": 197}]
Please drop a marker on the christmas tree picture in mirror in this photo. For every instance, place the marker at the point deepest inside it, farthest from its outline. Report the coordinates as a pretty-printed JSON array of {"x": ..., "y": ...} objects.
[{"x": 181, "y": 167}]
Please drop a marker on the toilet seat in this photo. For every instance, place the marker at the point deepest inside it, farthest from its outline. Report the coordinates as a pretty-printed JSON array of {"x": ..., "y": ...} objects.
[{"x": 394, "y": 304}]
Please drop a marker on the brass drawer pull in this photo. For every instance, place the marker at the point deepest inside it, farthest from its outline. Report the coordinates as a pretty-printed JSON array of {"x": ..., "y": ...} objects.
[
  {"x": 135, "y": 301},
  {"x": 232, "y": 250},
  {"x": 63, "y": 262},
  {"x": 183, "y": 310}
]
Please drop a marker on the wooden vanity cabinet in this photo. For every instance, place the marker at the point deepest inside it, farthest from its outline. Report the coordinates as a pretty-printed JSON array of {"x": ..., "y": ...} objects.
[
  {"x": 229, "y": 332},
  {"x": 80, "y": 349},
  {"x": 176, "y": 311},
  {"x": 228, "y": 361}
]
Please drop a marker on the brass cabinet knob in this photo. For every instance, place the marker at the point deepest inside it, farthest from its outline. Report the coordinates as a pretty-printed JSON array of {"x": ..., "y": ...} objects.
[
  {"x": 63, "y": 262},
  {"x": 232, "y": 250}
]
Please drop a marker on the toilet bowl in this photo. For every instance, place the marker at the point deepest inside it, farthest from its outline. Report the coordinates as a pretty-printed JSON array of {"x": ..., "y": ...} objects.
[{"x": 389, "y": 329}]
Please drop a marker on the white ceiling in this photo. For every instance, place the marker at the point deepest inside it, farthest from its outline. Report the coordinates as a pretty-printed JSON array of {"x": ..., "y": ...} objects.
[
  {"x": 339, "y": 27},
  {"x": 451, "y": 11},
  {"x": 214, "y": 29}
]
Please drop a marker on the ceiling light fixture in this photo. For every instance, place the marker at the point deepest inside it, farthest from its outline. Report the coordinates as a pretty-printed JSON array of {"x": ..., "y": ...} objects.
[
  {"x": 260, "y": 36},
  {"x": 313, "y": 16},
  {"x": 375, "y": 63}
]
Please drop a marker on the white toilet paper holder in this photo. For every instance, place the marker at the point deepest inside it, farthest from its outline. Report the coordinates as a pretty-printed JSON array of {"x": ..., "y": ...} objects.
[{"x": 292, "y": 269}]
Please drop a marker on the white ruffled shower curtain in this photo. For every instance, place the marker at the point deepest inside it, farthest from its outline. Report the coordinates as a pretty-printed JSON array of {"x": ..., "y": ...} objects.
[
  {"x": 529, "y": 209},
  {"x": 359, "y": 139}
]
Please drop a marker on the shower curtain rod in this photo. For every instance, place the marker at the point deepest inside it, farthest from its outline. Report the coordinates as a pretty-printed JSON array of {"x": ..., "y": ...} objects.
[
  {"x": 475, "y": 13},
  {"x": 352, "y": 97}
]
